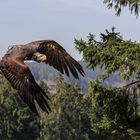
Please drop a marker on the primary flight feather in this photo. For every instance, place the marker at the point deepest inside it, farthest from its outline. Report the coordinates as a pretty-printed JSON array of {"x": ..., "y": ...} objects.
[{"x": 20, "y": 77}]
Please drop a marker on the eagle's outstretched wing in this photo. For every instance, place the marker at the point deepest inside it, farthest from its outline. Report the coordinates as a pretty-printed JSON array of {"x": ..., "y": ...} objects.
[
  {"x": 57, "y": 57},
  {"x": 20, "y": 77},
  {"x": 18, "y": 74}
]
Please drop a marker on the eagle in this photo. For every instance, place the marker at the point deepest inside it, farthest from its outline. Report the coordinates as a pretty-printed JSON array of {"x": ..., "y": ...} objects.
[{"x": 15, "y": 70}]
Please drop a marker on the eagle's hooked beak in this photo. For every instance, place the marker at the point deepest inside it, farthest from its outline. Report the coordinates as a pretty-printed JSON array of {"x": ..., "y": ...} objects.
[{"x": 39, "y": 57}]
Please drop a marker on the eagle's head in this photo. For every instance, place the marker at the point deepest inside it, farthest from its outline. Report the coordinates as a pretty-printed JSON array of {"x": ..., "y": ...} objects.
[{"x": 39, "y": 57}]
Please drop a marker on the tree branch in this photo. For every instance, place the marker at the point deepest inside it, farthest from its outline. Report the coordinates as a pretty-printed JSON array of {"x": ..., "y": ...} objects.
[{"x": 135, "y": 82}]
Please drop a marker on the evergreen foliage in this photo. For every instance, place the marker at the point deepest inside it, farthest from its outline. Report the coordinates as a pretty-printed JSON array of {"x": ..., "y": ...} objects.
[
  {"x": 112, "y": 53},
  {"x": 16, "y": 120},
  {"x": 118, "y": 5},
  {"x": 69, "y": 119},
  {"x": 101, "y": 114},
  {"x": 113, "y": 113}
]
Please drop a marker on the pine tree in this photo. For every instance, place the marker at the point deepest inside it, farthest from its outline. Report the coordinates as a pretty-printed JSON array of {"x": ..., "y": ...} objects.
[
  {"x": 69, "y": 119},
  {"x": 120, "y": 4},
  {"x": 16, "y": 120},
  {"x": 114, "y": 113}
]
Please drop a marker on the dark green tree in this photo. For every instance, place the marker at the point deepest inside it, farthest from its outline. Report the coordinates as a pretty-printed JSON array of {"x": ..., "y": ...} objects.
[
  {"x": 112, "y": 53},
  {"x": 16, "y": 120},
  {"x": 118, "y": 5},
  {"x": 69, "y": 119},
  {"x": 115, "y": 112}
]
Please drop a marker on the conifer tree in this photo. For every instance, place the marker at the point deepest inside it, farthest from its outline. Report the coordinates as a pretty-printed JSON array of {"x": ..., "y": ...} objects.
[
  {"x": 114, "y": 113},
  {"x": 69, "y": 119},
  {"x": 118, "y": 5},
  {"x": 16, "y": 120}
]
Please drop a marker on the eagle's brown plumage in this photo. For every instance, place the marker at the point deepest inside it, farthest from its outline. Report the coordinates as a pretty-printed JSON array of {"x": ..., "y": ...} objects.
[{"x": 18, "y": 74}]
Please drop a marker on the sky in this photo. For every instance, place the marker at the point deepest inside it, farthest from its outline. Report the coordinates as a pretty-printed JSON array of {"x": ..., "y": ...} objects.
[{"x": 25, "y": 21}]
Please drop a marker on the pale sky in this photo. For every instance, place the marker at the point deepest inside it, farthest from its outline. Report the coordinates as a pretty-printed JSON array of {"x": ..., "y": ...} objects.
[{"x": 61, "y": 20}]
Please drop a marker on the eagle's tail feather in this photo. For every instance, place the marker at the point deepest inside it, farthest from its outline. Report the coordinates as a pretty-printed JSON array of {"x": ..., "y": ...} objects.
[{"x": 42, "y": 100}]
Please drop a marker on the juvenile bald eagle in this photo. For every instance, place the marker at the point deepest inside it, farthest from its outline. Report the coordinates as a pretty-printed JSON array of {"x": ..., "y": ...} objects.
[{"x": 20, "y": 77}]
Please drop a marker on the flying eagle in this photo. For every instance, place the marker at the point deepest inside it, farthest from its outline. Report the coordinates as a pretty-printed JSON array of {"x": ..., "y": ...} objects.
[{"x": 20, "y": 77}]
